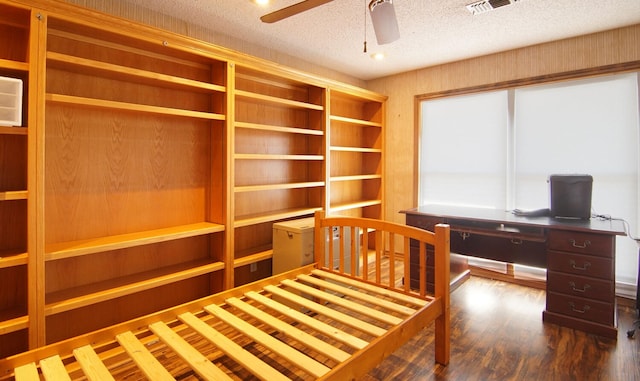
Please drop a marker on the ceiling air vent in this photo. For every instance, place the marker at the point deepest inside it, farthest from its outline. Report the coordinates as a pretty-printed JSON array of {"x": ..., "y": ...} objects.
[{"x": 484, "y": 6}]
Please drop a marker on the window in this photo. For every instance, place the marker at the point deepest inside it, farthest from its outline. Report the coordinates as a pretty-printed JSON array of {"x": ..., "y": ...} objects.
[
  {"x": 497, "y": 149},
  {"x": 463, "y": 150}
]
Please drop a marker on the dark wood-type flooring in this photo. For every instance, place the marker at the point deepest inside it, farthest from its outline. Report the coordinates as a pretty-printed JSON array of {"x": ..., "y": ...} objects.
[{"x": 498, "y": 334}]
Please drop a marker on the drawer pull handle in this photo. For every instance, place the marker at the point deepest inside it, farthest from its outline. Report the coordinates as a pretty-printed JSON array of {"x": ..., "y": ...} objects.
[
  {"x": 582, "y": 311},
  {"x": 583, "y": 246},
  {"x": 585, "y": 267},
  {"x": 516, "y": 241},
  {"x": 583, "y": 289}
]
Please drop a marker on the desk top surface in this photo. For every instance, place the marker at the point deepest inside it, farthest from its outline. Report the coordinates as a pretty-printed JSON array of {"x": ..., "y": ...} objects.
[{"x": 607, "y": 226}]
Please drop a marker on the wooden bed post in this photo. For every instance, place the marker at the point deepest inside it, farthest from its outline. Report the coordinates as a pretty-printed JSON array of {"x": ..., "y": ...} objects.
[
  {"x": 442, "y": 275},
  {"x": 318, "y": 240}
]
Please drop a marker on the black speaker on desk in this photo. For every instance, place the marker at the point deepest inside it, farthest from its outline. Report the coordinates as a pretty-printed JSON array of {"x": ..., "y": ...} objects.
[{"x": 570, "y": 196}]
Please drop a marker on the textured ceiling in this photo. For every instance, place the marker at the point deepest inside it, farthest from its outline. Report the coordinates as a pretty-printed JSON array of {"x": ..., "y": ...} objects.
[{"x": 431, "y": 31}]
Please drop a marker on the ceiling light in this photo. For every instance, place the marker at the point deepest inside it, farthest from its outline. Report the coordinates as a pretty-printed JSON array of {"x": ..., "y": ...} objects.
[
  {"x": 261, "y": 2},
  {"x": 385, "y": 24},
  {"x": 378, "y": 56}
]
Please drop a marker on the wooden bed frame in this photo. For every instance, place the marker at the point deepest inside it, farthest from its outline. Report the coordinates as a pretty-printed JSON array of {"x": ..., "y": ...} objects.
[{"x": 310, "y": 323}]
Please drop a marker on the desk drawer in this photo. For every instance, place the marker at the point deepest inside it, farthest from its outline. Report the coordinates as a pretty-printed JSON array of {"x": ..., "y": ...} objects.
[
  {"x": 580, "y": 242},
  {"x": 503, "y": 249},
  {"x": 585, "y": 265},
  {"x": 575, "y": 285},
  {"x": 581, "y": 308},
  {"x": 425, "y": 223}
]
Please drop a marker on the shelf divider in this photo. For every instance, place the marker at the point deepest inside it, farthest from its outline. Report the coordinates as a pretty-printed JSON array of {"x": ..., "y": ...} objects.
[
  {"x": 10, "y": 259},
  {"x": 101, "y": 103},
  {"x": 62, "y": 250},
  {"x": 9, "y": 323},
  {"x": 82, "y": 296},
  {"x": 14, "y": 195}
]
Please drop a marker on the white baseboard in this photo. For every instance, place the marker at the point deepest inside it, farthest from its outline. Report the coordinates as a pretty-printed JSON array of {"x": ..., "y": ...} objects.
[{"x": 626, "y": 290}]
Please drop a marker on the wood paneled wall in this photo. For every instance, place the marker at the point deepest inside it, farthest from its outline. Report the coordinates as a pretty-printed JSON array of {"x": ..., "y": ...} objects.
[{"x": 603, "y": 52}]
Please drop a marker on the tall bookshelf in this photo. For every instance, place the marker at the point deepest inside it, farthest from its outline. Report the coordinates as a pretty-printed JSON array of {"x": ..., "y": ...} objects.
[
  {"x": 278, "y": 159},
  {"x": 150, "y": 167},
  {"x": 356, "y": 142},
  {"x": 18, "y": 28},
  {"x": 132, "y": 126}
]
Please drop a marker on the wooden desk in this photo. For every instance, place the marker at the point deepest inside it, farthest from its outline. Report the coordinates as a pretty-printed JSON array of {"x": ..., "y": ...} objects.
[{"x": 579, "y": 256}]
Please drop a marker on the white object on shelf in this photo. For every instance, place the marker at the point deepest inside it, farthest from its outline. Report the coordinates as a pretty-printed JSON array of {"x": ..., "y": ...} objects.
[{"x": 10, "y": 101}]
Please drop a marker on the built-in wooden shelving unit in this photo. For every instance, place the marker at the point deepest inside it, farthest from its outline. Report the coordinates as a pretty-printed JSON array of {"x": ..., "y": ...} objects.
[
  {"x": 131, "y": 130},
  {"x": 16, "y": 28},
  {"x": 356, "y": 154},
  {"x": 150, "y": 168},
  {"x": 278, "y": 161}
]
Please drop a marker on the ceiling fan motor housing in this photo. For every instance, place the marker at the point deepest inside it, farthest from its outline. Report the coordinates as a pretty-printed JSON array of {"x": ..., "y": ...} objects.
[{"x": 385, "y": 24}]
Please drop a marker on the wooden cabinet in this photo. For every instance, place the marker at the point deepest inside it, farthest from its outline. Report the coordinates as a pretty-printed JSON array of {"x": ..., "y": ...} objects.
[
  {"x": 18, "y": 31},
  {"x": 581, "y": 281},
  {"x": 150, "y": 167}
]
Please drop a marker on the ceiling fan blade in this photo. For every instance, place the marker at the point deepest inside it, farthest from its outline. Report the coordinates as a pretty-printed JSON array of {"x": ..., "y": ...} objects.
[{"x": 292, "y": 10}]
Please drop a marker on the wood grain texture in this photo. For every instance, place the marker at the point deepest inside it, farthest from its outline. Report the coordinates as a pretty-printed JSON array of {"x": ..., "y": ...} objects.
[
  {"x": 498, "y": 334},
  {"x": 112, "y": 173}
]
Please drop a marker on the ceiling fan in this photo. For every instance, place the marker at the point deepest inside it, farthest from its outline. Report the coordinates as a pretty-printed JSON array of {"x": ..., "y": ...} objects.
[{"x": 383, "y": 16}]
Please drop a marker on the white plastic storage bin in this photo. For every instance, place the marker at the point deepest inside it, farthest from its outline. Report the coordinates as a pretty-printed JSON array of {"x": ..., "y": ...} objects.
[
  {"x": 293, "y": 245},
  {"x": 10, "y": 101}
]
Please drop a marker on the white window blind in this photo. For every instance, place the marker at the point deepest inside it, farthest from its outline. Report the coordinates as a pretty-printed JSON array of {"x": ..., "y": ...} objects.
[
  {"x": 463, "y": 154},
  {"x": 585, "y": 127}
]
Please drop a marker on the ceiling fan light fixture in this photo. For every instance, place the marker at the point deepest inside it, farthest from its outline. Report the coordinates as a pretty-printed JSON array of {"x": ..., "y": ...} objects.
[
  {"x": 385, "y": 23},
  {"x": 379, "y": 56}
]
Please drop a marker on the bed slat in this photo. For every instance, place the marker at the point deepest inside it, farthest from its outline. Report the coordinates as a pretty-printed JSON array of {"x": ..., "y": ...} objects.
[
  {"x": 27, "y": 372},
  {"x": 369, "y": 287},
  {"x": 253, "y": 364},
  {"x": 357, "y": 295},
  {"x": 148, "y": 364},
  {"x": 290, "y": 331},
  {"x": 333, "y": 314},
  {"x": 196, "y": 360},
  {"x": 298, "y": 358},
  {"x": 364, "y": 310},
  {"x": 91, "y": 364},
  {"x": 53, "y": 369},
  {"x": 324, "y": 328}
]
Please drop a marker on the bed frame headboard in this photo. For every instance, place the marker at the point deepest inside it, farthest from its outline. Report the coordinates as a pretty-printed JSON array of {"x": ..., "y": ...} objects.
[{"x": 376, "y": 243}]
